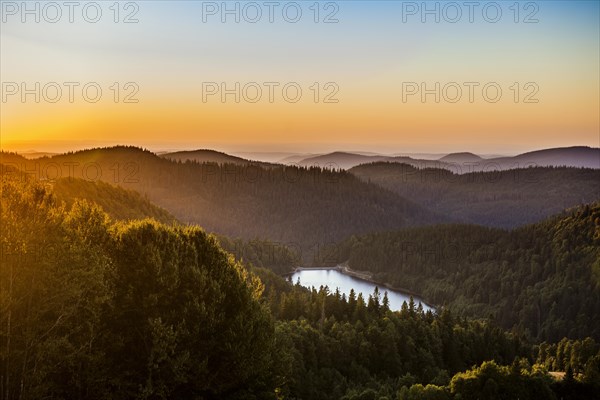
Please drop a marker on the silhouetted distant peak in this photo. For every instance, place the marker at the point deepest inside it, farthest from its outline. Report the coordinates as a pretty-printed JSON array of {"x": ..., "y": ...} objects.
[
  {"x": 206, "y": 156},
  {"x": 571, "y": 149},
  {"x": 576, "y": 156},
  {"x": 461, "y": 157}
]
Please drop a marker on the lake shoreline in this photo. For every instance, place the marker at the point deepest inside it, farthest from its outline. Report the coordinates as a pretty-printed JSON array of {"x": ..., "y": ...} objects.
[{"x": 367, "y": 277}]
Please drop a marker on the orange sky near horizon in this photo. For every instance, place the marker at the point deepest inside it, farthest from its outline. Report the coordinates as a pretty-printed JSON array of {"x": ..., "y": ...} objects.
[{"x": 554, "y": 62}]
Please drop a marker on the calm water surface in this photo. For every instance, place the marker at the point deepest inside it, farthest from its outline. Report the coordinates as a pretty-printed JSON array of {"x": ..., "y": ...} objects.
[{"x": 335, "y": 279}]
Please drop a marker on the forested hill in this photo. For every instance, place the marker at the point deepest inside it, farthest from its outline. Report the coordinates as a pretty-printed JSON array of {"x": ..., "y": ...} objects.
[
  {"x": 209, "y": 156},
  {"x": 497, "y": 198},
  {"x": 541, "y": 279},
  {"x": 98, "y": 310},
  {"x": 95, "y": 309},
  {"x": 117, "y": 202},
  {"x": 305, "y": 206},
  {"x": 578, "y": 157}
]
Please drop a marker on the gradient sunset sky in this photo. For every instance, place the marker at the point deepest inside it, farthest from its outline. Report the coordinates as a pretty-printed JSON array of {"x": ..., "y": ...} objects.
[{"x": 369, "y": 54}]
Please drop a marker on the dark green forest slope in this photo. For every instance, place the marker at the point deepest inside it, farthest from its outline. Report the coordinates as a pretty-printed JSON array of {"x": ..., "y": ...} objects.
[
  {"x": 306, "y": 207},
  {"x": 541, "y": 279},
  {"x": 136, "y": 310},
  {"x": 504, "y": 199}
]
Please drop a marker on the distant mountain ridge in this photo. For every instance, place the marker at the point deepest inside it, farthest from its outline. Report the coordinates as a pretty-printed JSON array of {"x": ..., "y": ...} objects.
[
  {"x": 503, "y": 199},
  {"x": 340, "y": 159},
  {"x": 305, "y": 207},
  {"x": 577, "y": 156},
  {"x": 459, "y": 162},
  {"x": 461, "y": 158},
  {"x": 207, "y": 155},
  {"x": 237, "y": 197}
]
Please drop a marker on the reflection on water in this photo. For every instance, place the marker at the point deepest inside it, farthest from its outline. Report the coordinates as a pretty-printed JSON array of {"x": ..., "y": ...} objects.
[{"x": 335, "y": 279}]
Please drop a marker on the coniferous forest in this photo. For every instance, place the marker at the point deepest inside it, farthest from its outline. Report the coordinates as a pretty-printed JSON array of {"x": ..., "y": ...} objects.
[
  {"x": 299, "y": 200},
  {"x": 105, "y": 295}
]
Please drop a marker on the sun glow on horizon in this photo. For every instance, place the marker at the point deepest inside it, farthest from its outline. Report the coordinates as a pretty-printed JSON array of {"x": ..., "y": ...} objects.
[{"x": 353, "y": 78}]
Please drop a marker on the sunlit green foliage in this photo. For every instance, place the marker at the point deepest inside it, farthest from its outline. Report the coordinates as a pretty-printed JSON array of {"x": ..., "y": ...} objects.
[{"x": 94, "y": 309}]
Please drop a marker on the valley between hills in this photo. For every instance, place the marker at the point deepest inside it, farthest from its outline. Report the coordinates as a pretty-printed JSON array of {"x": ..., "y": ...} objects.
[{"x": 177, "y": 262}]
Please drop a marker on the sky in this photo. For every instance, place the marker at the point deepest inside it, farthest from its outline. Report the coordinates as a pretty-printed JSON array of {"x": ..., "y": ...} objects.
[{"x": 386, "y": 76}]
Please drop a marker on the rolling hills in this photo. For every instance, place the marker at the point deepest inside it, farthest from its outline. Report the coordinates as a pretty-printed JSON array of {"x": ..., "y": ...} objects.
[
  {"x": 308, "y": 207},
  {"x": 577, "y": 157},
  {"x": 500, "y": 199},
  {"x": 312, "y": 206},
  {"x": 131, "y": 309},
  {"x": 207, "y": 156},
  {"x": 542, "y": 279}
]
